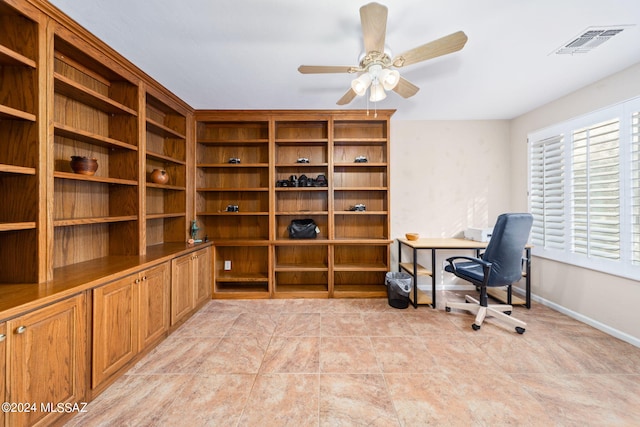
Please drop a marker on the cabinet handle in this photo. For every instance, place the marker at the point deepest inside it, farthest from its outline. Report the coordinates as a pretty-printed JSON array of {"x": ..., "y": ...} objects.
[
  {"x": 137, "y": 281},
  {"x": 2, "y": 337},
  {"x": 144, "y": 278},
  {"x": 21, "y": 329}
]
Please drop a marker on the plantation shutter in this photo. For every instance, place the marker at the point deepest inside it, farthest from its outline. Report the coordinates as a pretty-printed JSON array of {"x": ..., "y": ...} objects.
[
  {"x": 635, "y": 188},
  {"x": 547, "y": 192},
  {"x": 595, "y": 191}
]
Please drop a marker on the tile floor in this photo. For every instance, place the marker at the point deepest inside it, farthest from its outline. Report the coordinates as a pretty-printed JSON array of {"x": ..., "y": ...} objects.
[{"x": 361, "y": 362}]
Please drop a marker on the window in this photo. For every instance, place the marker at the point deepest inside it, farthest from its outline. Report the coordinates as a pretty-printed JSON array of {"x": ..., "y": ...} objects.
[{"x": 584, "y": 190}]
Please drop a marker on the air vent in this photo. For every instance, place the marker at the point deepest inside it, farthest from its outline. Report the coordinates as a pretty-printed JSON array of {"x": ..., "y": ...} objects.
[{"x": 589, "y": 39}]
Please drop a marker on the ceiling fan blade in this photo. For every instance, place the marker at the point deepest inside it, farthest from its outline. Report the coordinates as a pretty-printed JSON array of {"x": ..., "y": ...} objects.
[
  {"x": 347, "y": 97},
  {"x": 405, "y": 88},
  {"x": 321, "y": 69},
  {"x": 442, "y": 46},
  {"x": 373, "y": 18}
]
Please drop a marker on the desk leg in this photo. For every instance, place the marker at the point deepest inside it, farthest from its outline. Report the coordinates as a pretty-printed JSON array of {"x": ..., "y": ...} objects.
[
  {"x": 528, "y": 279},
  {"x": 415, "y": 278},
  {"x": 433, "y": 278}
]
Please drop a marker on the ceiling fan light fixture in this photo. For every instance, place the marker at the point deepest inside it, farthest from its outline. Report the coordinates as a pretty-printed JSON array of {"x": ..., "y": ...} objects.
[
  {"x": 389, "y": 78},
  {"x": 361, "y": 84},
  {"x": 377, "y": 93}
]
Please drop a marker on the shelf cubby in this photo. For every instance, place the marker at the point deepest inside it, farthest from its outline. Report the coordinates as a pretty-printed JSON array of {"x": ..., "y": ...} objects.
[
  {"x": 361, "y": 225},
  {"x": 283, "y": 221},
  {"x": 301, "y": 258},
  {"x": 248, "y": 202},
  {"x": 305, "y": 283},
  {"x": 248, "y": 273}
]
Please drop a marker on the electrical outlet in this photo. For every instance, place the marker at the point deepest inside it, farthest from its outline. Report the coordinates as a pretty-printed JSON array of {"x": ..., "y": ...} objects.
[{"x": 227, "y": 265}]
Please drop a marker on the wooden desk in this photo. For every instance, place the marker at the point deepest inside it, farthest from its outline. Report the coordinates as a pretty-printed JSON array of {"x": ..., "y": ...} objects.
[{"x": 419, "y": 297}]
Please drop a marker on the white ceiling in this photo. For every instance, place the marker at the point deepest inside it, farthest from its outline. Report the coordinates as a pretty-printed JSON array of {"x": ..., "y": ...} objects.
[{"x": 244, "y": 54}]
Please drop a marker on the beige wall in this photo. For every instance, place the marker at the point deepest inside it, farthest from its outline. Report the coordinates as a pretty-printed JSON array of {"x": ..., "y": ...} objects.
[
  {"x": 607, "y": 301},
  {"x": 450, "y": 175},
  {"x": 447, "y": 176}
]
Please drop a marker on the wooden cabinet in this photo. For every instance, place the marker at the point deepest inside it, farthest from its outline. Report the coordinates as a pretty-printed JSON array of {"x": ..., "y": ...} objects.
[
  {"x": 276, "y": 152},
  {"x": 46, "y": 359},
  {"x": 190, "y": 283},
  {"x": 129, "y": 314},
  {"x": 3, "y": 355}
]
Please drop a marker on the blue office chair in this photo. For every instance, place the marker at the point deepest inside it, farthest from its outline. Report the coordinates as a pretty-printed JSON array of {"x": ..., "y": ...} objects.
[{"x": 500, "y": 265}]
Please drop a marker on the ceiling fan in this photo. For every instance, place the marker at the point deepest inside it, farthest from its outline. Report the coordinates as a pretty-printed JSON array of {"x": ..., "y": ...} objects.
[{"x": 377, "y": 68}]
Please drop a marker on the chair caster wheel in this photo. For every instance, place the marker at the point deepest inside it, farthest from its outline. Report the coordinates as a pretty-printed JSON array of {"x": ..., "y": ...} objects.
[
  {"x": 519, "y": 330},
  {"x": 508, "y": 313},
  {"x": 476, "y": 327},
  {"x": 447, "y": 309}
]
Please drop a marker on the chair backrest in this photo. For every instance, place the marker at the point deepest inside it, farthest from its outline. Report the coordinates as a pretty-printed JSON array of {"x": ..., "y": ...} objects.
[{"x": 504, "y": 251}]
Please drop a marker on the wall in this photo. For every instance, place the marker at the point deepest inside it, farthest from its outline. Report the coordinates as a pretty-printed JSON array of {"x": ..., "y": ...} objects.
[
  {"x": 447, "y": 176},
  {"x": 605, "y": 301}
]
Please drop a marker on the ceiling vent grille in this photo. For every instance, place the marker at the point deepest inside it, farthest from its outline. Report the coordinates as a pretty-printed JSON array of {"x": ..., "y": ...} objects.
[{"x": 588, "y": 40}]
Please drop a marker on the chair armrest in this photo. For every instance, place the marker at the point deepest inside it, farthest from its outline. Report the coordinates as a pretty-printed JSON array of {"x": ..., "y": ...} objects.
[{"x": 486, "y": 266}]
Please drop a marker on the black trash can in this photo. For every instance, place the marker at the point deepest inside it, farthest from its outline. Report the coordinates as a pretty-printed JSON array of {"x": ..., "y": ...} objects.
[{"x": 398, "y": 289}]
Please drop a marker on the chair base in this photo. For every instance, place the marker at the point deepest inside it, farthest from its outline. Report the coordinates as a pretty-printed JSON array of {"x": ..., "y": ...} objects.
[{"x": 493, "y": 310}]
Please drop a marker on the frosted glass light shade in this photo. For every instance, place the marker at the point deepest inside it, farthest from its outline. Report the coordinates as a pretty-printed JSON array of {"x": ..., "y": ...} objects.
[
  {"x": 361, "y": 84},
  {"x": 389, "y": 78},
  {"x": 377, "y": 93}
]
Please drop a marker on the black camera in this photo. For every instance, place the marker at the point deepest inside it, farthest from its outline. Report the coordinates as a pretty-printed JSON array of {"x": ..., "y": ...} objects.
[
  {"x": 358, "y": 208},
  {"x": 232, "y": 208},
  {"x": 234, "y": 160},
  {"x": 361, "y": 159},
  {"x": 302, "y": 160}
]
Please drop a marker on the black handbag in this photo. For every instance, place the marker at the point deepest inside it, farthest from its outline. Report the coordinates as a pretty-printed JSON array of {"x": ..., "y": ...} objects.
[{"x": 303, "y": 229}]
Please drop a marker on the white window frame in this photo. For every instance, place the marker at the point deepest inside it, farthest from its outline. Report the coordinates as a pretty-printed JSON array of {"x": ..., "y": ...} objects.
[{"x": 623, "y": 266}]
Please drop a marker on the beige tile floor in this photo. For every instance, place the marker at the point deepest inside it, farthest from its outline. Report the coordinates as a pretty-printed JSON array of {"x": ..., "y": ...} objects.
[{"x": 361, "y": 362}]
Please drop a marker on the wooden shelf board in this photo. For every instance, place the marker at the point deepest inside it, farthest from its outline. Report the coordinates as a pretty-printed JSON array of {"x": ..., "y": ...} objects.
[
  {"x": 359, "y": 141},
  {"x": 233, "y": 141},
  {"x": 299, "y": 213},
  {"x": 228, "y": 277},
  {"x": 165, "y": 215},
  {"x": 80, "y": 177},
  {"x": 361, "y": 165},
  {"x": 19, "y": 170},
  {"x": 408, "y": 267},
  {"x": 165, "y": 186},
  {"x": 93, "y": 220},
  {"x": 165, "y": 158},
  {"x": 232, "y": 165},
  {"x": 69, "y": 88},
  {"x": 360, "y": 241},
  {"x": 301, "y": 141},
  {"x": 360, "y": 212},
  {"x": 501, "y": 295},
  {"x": 303, "y": 165},
  {"x": 316, "y": 241},
  {"x": 360, "y": 290},
  {"x": 162, "y": 130},
  {"x": 11, "y": 57},
  {"x": 70, "y": 132},
  {"x": 360, "y": 188},
  {"x": 424, "y": 297},
  {"x": 315, "y": 288},
  {"x": 17, "y": 226},
  {"x": 232, "y": 189},
  {"x": 223, "y": 213},
  {"x": 361, "y": 267},
  {"x": 283, "y": 268},
  {"x": 7, "y": 112},
  {"x": 291, "y": 189}
]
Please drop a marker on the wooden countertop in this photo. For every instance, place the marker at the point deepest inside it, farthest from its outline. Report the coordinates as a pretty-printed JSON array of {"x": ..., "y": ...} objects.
[{"x": 16, "y": 299}]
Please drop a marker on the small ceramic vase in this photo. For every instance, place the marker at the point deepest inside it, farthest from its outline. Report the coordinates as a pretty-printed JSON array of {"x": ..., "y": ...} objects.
[
  {"x": 159, "y": 176},
  {"x": 84, "y": 165}
]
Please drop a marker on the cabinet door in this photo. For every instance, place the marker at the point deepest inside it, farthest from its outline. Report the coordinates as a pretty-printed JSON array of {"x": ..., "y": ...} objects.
[
  {"x": 202, "y": 270},
  {"x": 47, "y": 359},
  {"x": 115, "y": 338},
  {"x": 3, "y": 355},
  {"x": 182, "y": 301},
  {"x": 154, "y": 304}
]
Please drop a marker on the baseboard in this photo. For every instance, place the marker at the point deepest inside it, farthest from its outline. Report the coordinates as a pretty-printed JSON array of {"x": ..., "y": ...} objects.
[{"x": 584, "y": 319}]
